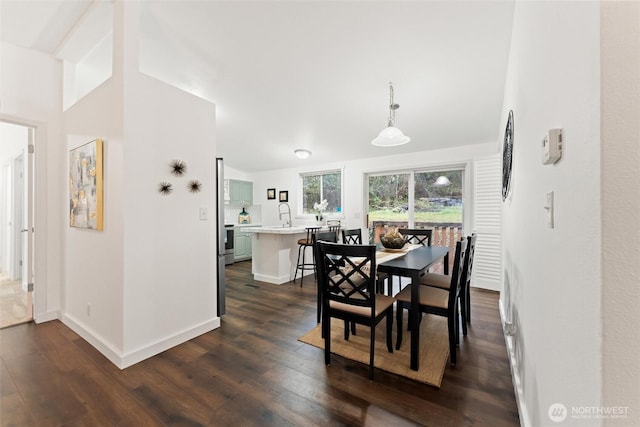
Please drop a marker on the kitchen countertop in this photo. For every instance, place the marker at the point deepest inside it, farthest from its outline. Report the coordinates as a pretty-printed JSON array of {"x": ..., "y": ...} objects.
[{"x": 278, "y": 229}]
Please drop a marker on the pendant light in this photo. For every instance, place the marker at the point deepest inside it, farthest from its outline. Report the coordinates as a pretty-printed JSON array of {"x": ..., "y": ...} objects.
[
  {"x": 391, "y": 136},
  {"x": 442, "y": 181}
]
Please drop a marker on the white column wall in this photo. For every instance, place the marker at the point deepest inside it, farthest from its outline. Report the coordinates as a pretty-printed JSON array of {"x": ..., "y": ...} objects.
[
  {"x": 169, "y": 253},
  {"x": 150, "y": 275},
  {"x": 552, "y": 276}
]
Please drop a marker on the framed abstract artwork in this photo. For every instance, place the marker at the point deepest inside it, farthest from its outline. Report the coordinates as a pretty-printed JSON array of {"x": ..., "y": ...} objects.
[
  {"x": 271, "y": 194},
  {"x": 283, "y": 196},
  {"x": 86, "y": 186}
]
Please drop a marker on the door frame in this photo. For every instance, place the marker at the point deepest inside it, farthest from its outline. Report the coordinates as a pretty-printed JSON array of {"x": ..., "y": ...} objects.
[{"x": 33, "y": 245}]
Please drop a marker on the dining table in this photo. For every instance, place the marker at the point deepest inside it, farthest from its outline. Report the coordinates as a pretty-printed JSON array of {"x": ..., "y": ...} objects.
[{"x": 413, "y": 264}]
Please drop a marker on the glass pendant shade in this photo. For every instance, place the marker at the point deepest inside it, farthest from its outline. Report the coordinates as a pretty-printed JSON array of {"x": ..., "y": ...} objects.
[
  {"x": 442, "y": 181},
  {"x": 390, "y": 137}
]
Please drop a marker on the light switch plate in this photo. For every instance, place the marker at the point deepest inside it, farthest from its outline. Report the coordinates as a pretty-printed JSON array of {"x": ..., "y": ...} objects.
[
  {"x": 204, "y": 214},
  {"x": 549, "y": 208}
]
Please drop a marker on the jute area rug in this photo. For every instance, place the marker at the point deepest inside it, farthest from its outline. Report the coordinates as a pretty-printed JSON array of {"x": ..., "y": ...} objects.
[{"x": 434, "y": 348}]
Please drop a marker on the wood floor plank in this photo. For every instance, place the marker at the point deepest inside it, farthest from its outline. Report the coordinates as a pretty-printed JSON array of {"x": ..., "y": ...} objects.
[{"x": 250, "y": 371}]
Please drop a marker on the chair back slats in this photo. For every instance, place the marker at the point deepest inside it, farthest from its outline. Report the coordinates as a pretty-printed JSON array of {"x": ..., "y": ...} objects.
[
  {"x": 345, "y": 273},
  {"x": 310, "y": 232},
  {"x": 326, "y": 236},
  {"x": 456, "y": 272},
  {"x": 465, "y": 279},
  {"x": 417, "y": 236},
  {"x": 334, "y": 225},
  {"x": 352, "y": 236}
]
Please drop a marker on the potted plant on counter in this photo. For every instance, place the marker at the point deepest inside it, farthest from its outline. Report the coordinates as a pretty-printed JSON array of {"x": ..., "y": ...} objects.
[{"x": 320, "y": 208}]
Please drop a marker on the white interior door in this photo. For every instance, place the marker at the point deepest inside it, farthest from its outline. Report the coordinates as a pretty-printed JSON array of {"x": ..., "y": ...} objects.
[{"x": 27, "y": 216}]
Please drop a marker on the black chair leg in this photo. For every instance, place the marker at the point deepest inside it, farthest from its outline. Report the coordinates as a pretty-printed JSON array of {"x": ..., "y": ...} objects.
[
  {"x": 452, "y": 340},
  {"x": 295, "y": 275},
  {"x": 399, "y": 310},
  {"x": 319, "y": 303},
  {"x": 463, "y": 313},
  {"x": 389, "y": 331},
  {"x": 467, "y": 313},
  {"x": 371, "y": 350},
  {"x": 326, "y": 326},
  {"x": 304, "y": 252}
]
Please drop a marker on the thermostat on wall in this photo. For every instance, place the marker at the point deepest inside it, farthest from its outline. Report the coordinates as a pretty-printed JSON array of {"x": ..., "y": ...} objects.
[{"x": 552, "y": 146}]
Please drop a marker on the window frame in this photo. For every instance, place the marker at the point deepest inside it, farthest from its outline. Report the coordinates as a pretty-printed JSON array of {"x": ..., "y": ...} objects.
[
  {"x": 300, "y": 194},
  {"x": 468, "y": 199}
]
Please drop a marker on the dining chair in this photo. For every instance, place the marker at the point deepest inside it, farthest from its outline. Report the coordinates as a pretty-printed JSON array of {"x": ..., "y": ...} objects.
[
  {"x": 417, "y": 236},
  {"x": 437, "y": 301},
  {"x": 352, "y": 236},
  {"x": 444, "y": 281},
  {"x": 303, "y": 244},
  {"x": 350, "y": 294},
  {"x": 321, "y": 236}
]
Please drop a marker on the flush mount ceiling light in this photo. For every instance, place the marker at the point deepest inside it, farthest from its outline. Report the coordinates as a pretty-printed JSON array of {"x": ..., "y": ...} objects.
[
  {"x": 442, "y": 181},
  {"x": 301, "y": 153},
  {"x": 391, "y": 136}
]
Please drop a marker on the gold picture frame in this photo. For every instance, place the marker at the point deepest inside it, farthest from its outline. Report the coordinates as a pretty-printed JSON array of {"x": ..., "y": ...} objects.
[{"x": 86, "y": 186}]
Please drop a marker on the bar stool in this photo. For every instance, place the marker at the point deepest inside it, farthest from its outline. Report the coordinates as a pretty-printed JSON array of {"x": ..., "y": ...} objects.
[{"x": 303, "y": 244}]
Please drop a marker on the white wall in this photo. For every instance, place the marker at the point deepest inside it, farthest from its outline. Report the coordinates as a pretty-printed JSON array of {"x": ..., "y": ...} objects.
[
  {"x": 620, "y": 153},
  {"x": 31, "y": 95},
  {"x": 552, "y": 276}
]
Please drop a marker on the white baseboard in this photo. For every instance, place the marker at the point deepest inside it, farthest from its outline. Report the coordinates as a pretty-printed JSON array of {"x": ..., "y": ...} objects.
[
  {"x": 272, "y": 279},
  {"x": 46, "y": 316},
  {"x": 142, "y": 353},
  {"x": 123, "y": 361},
  {"x": 525, "y": 421}
]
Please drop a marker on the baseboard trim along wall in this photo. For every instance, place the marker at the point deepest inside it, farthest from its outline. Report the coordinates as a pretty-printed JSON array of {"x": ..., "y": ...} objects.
[
  {"x": 123, "y": 361},
  {"x": 515, "y": 370}
]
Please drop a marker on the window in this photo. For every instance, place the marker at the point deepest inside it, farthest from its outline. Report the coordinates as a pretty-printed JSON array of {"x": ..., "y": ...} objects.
[
  {"x": 415, "y": 199},
  {"x": 318, "y": 186}
]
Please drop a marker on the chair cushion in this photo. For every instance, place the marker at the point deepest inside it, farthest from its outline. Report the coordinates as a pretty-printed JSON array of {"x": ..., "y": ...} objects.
[
  {"x": 382, "y": 303},
  {"x": 438, "y": 280},
  {"x": 429, "y": 296},
  {"x": 305, "y": 242}
]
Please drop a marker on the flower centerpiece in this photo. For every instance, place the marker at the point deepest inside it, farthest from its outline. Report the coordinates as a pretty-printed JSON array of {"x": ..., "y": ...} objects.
[{"x": 320, "y": 208}]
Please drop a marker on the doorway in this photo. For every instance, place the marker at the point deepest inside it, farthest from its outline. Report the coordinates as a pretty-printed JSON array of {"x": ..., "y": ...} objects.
[{"x": 16, "y": 232}]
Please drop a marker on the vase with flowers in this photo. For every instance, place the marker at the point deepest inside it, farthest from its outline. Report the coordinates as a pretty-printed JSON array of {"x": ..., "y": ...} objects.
[{"x": 320, "y": 208}]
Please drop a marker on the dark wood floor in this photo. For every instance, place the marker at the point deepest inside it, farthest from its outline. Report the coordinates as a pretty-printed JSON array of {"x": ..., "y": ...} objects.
[{"x": 252, "y": 371}]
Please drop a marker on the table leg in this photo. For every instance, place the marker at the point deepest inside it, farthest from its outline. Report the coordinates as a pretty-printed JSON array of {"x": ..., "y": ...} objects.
[{"x": 414, "y": 318}]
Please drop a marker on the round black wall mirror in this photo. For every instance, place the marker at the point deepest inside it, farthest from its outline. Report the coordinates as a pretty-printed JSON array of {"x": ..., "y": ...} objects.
[{"x": 507, "y": 157}]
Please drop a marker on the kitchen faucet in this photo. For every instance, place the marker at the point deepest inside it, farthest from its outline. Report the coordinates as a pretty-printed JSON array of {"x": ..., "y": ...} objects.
[{"x": 288, "y": 212}]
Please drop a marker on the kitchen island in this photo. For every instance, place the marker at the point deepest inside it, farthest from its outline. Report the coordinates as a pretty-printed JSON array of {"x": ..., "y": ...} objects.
[{"x": 275, "y": 252}]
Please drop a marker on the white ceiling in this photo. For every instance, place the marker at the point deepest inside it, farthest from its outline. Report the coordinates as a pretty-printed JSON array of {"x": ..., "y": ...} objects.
[{"x": 315, "y": 75}]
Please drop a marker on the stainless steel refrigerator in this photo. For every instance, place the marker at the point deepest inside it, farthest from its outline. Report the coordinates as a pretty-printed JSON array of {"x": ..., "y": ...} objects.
[{"x": 220, "y": 246}]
